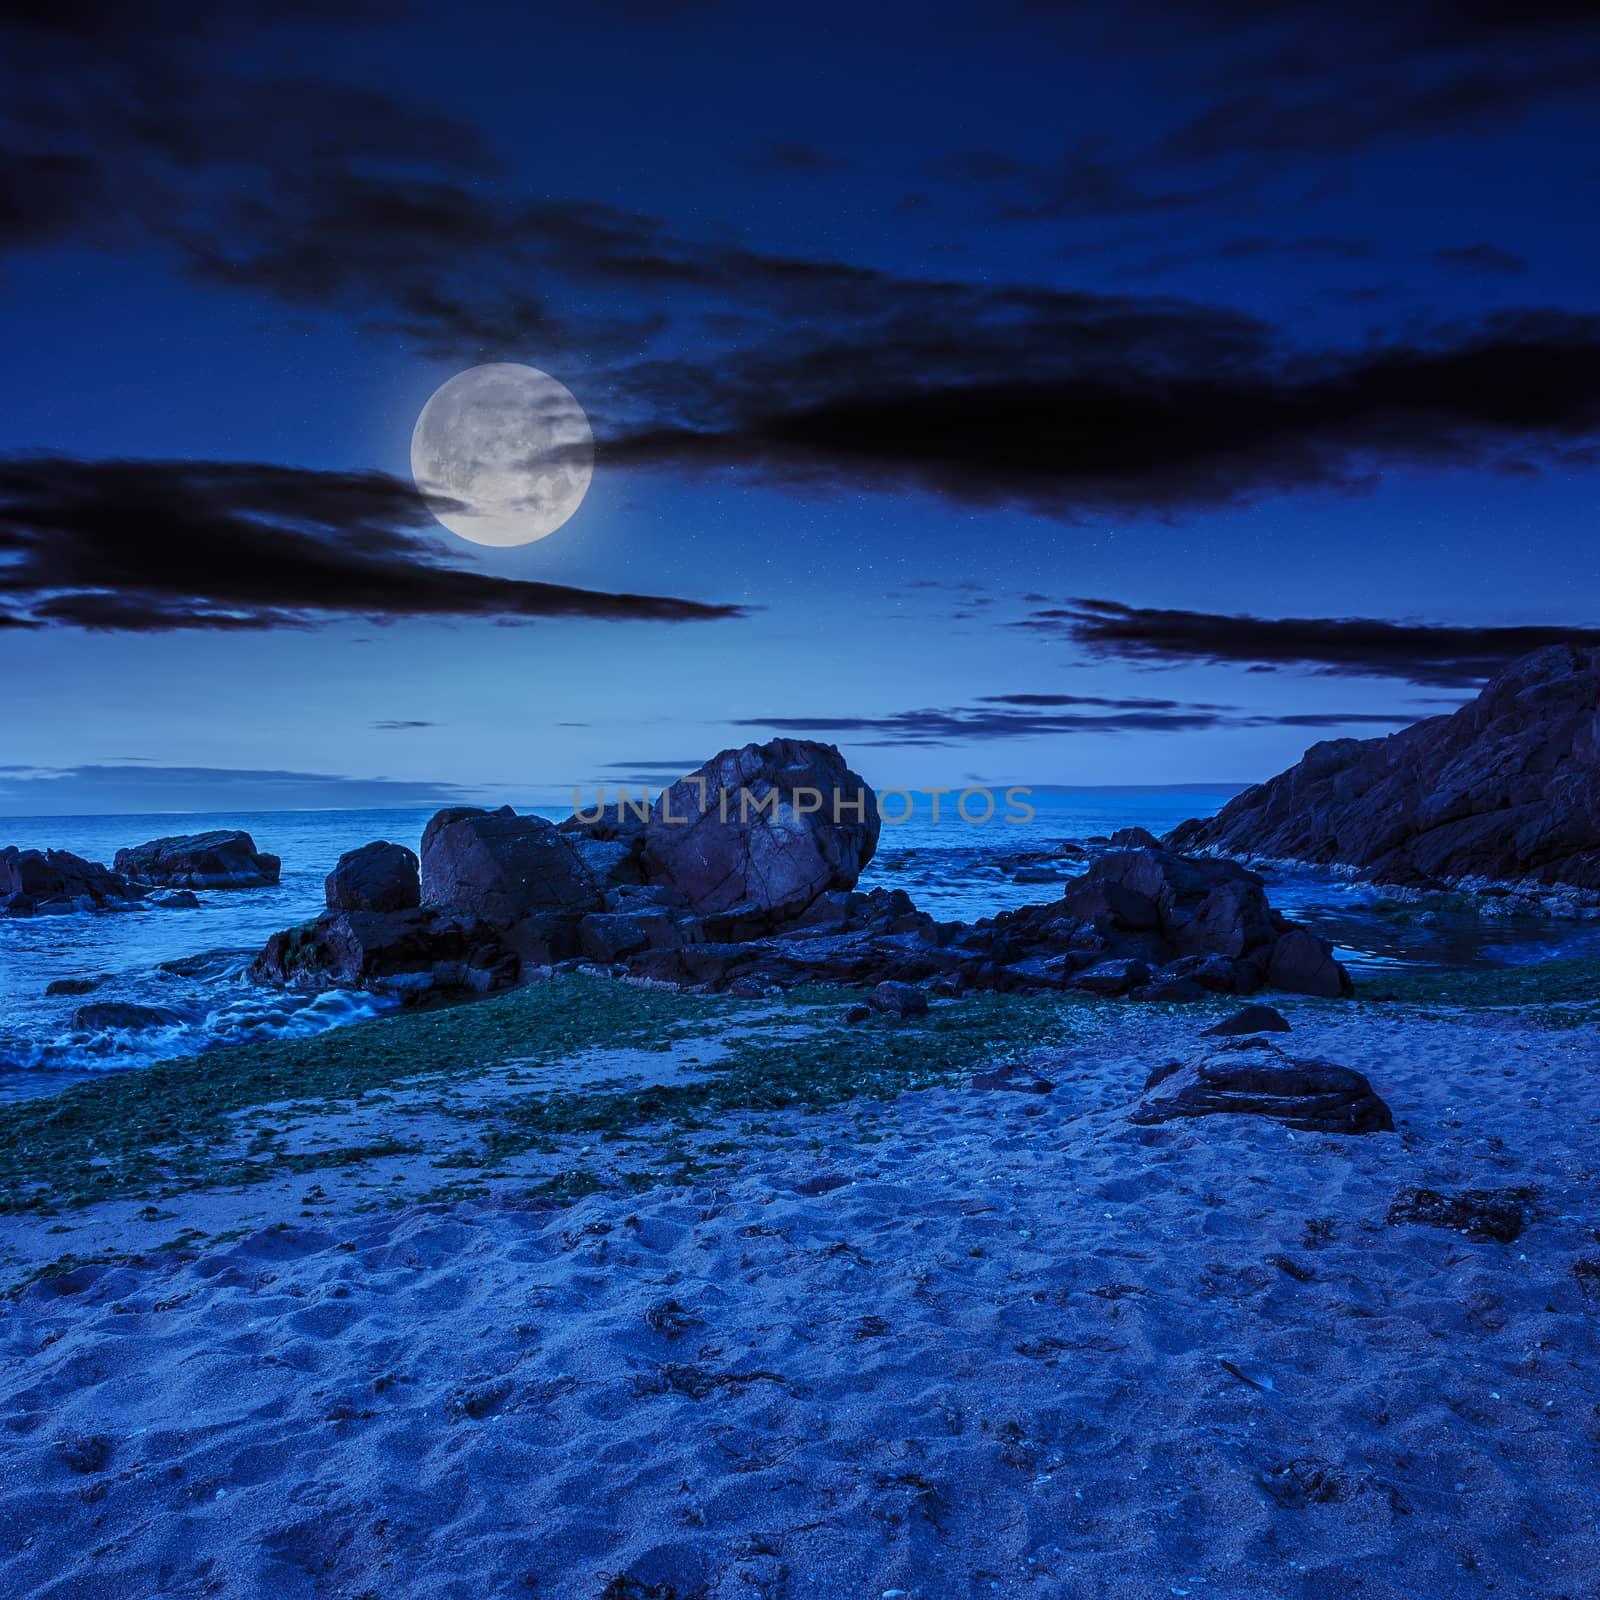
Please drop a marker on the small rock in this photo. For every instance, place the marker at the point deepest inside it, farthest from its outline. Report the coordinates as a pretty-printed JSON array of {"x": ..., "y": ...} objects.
[
  {"x": 1478, "y": 1213},
  {"x": 857, "y": 1013},
  {"x": 174, "y": 899},
  {"x": 1253, "y": 1019},
  {"x": 898, "y": 999},
  {"x": 1014, "y": 1076},
  {"x": 71, "y": 986}
]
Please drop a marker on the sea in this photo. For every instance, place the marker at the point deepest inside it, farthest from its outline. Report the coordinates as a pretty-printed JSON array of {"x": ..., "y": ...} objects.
[{"x": 192, "y": 962}]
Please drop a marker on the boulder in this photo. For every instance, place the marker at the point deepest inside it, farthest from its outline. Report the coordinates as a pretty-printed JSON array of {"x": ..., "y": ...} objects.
[
  {"x": 33, "y": 881},
  {"x": 761, "y": 832},
  {"x": 520, "y": 875},
  {"x": 1302, "y": 963},
  {"x": 898, "y": 1000},
  {"x": 1253, "y": 1019},
  {"x": 123, "y": 1014},
  {"x": 1254, "y": 1076},
  {"x": 225, "y": 858},
  {"x": 1506, "y": 788},
  {"x": 378, "y": 877},
  {"x": 412, "y": 953}
]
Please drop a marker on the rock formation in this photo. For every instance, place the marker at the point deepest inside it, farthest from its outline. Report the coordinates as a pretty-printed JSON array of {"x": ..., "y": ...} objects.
[
  {"x": 1180, "y": 925},
  {"x": 742, "y": 878},
  {"x": 414, "y": 953},
  {"x": 1507, "y": 788},
  {"x": 223, "y": 859},
  {"x": 40, "y": 881}
]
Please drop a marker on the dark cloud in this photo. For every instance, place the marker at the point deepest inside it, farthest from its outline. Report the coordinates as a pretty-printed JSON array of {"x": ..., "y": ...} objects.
[
  {"x": 1249, "y": 247},
  {"x": 1031, "y": 716},
  {"x": 1319, "y": 80},
  {"x": 396, "y": 725},
  {"x": 1159, "y": 429},
  {"x": 141, "y": 787},
  {"x": 1345, "y": 116},
  {"x": 791, "y": 159},
  {"x": 1483, "y": 258},
  {"x": 1420, "y": 653},
  {"x": 151, "y": 546}
]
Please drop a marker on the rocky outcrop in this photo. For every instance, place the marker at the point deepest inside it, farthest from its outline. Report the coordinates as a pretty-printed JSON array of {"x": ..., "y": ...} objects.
[
  {"x": 1254, "y": 1076},
  {"x": 34, "y": 882},
  {"x": 1507, "y": 788},
  {"x": 1141, "y": 923},
  {"x": 757, "y": 835},
  {"x": 378, "y": 877},
  {"x": 1152, "y": 921},
  {"x": 739, "y": 881},
  {"x": 412, "y": 953},
  {"x": 222, "y": 859},
  {"x": 521, "y": 876}
]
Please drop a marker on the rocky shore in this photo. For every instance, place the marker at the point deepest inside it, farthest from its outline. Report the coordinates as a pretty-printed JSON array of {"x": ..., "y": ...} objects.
[
  {"x": 162, "y": 872},
  {"x": 738, "y": 878},
  {"x": 1504, "y": 792}
]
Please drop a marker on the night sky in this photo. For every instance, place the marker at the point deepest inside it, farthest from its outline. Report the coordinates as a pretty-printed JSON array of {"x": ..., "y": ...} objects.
[{"x": 1028, "y": 393}]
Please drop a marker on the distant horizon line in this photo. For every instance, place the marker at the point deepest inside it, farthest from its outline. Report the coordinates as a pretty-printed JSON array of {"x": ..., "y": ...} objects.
[{"x": 1041, "y": 789}]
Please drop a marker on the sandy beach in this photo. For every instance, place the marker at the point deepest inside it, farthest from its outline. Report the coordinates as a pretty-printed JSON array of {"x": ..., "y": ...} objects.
[{"x": 923, "y": 1342}]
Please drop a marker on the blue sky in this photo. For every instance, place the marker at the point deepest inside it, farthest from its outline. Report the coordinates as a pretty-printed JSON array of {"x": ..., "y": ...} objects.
[{"x": 903, "y": 331}]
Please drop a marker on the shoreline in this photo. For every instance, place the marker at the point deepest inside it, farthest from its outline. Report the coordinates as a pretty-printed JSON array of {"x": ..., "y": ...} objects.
[
  {"x": 490, "y": 1288},
  {"x": 791, "y": 1309}
]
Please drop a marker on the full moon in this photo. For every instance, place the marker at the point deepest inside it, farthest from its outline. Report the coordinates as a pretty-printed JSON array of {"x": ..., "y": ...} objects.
[{"x": 503, "y": 453}]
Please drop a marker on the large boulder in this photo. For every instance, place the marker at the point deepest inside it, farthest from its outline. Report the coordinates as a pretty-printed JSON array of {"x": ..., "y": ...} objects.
[
  {"x": 411, "y": 953},
  {"x": 1254, "y": 1076},
  {"x": 225, "y": 858},
  {"x": 378, "y": 877},
  {"x": 520, "y": 875},
  {"x": 1507, "y": 788},
  {"x": 758, "y": 834},
  {"x": 33, "y": 881}
]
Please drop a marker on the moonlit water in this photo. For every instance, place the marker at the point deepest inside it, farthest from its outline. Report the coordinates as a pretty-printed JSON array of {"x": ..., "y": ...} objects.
[{"x": 193, "y": 961}]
